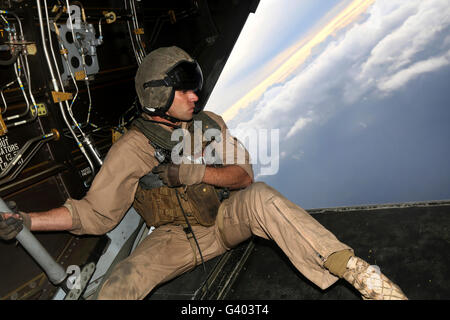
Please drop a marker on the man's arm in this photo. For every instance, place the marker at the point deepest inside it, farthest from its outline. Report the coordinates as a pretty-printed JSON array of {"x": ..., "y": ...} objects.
[
  {"x": 232, "y": 176},
  {"x": 53, "y": 220},
  {"x": 56, "y": 219}
]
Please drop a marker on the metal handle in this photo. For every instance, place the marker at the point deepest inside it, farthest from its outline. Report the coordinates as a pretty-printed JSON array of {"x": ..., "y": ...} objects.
[{"x": 55, "y": 272}]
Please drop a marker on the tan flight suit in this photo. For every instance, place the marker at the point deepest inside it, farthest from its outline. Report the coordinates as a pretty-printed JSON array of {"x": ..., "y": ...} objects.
[{"x": 166, "y": 253}]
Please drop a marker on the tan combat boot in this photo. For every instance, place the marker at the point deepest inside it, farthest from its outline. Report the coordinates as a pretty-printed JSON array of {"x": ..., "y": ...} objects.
[{"x": 370, "y": 282}]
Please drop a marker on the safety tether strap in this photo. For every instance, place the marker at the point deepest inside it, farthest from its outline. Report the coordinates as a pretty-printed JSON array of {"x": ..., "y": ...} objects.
[{"x": 190, "y": 234}]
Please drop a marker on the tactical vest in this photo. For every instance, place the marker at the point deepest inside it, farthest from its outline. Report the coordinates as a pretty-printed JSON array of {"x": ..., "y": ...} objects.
[{"x": 159, "y": 204}]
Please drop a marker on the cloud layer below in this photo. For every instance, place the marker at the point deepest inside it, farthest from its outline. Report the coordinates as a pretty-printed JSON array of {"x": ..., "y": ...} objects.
[
  {"x": 353, "y": 122},
  {"x": 395, "y": 43}
]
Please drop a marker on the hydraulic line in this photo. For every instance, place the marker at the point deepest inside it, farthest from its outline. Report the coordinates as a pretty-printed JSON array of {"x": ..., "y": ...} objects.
[
  {"x": 56, "y": 64},
  {"x": 90, "y": 102},
  {"x": 19, "y": 65},
  {"x": 11, "y": 60},
  {"x": 100, "y": 28},
  {"x": 138, "y": 58},
  {"x": 28, "y": 78},
  {"x": 56, "y": 88},
  {"x": 51, "y": 46},
  {"x": 16, "y": 17},
  {"x": 4, "y": 101},
  {"x": 17, "y": 69},
  {"x": 3, "y": 96},
  {"x": 66, "y": 59},
  {"x": 86, "y": 139},
  {"x": 83, "y": 62},
  {"x": 136, "y": 28},
  {"x": 38, "y": 142}
]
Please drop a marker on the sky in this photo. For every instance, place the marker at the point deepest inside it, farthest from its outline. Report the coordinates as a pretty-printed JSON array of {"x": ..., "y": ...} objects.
[{"x": 356, "y": 93}]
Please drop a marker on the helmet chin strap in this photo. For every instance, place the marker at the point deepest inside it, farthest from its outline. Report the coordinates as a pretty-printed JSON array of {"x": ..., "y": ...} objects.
[
  {"x": 163, "y": 114},
  {"x": 173, "y": 119}
]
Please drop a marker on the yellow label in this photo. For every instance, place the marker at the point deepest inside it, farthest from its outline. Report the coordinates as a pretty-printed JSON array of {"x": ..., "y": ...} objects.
[
  {"x": 61, "y": 96},
  {"x": 172, "y": 16},
  {"x": 3, "y": 128},
  {"x": 80, "y": 75},
  {"x": 31, "y": 49},
  {"x": 41, "y": 110},
  {"x": 116, "y": 134},
  {"x": 110, "y": 16}
]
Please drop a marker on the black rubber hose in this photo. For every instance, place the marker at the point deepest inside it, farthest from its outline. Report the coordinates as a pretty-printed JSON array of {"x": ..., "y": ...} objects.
[{"x": 10, "y": 61}]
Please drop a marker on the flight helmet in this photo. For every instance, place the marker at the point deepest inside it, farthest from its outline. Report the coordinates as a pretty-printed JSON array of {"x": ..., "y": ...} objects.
[{"x": 161, "y": 73}]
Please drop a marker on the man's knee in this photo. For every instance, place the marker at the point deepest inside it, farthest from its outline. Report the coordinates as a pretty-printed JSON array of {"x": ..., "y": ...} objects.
[
  {"x": 260, "y": 194},
  {"x": 124, "y": 283},
  {"x": 261, "y": 190}
]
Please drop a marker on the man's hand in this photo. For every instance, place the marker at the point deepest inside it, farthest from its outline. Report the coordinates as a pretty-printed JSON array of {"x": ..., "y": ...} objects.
[
  {"x": 174, "y": 175},
  {"x": 12, "y": 223}
]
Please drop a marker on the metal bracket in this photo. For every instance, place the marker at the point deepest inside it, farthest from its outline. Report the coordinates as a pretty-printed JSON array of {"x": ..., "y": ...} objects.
[
  {"x": 85, "y": 42},
  {"x": 84, "y": 277}
]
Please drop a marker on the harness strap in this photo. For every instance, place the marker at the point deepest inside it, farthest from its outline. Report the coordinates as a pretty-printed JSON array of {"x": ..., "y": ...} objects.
[
  {"x": 188, "y": 230},
  {"x": 190, "y": 237}
]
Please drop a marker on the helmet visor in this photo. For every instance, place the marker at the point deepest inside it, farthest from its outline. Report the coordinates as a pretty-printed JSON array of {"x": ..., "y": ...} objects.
[{"x": 186, "y": 76}]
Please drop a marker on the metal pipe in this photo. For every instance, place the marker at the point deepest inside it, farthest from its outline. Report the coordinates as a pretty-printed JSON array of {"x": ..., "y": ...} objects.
[
  {"x": 136, "y": 26},
  {"x": 47, "y": 57},
  {"x": 25, "y": 162},
  {"x": 85, "y": 139},
  {"x": 138, "y": 58},
  {"x": 26, "y": 70},
  {"x": 53, "y": 135},
  {"x": 17, "y": 68},
  {"x": 55, "y": 272},
  {"x": 69, "y": 108},
  {"x": 51, "y": 46},
  {"x": 66, "y": 60},
  {"x": 56, "y": 88},
  {"x": 91, "y": 147}
]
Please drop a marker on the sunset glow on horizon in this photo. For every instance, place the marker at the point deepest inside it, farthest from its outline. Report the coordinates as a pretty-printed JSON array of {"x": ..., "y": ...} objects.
[{"x": 302, "y": 50}]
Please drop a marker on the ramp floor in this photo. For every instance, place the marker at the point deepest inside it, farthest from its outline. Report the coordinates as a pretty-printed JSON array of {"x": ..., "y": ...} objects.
[{"x": 409, "y": 242}]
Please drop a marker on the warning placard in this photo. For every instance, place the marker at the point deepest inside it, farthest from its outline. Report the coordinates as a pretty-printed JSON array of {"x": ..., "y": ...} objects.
[{"x": 7, "y": 152}]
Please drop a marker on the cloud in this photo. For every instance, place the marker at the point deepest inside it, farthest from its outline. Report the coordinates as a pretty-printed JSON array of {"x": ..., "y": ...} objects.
[
  {"x": 404, "y": 39},
  {"x": 253, "y": 49},
  {"x": 373, "y": 56},
  {"x": 362, "y": 124},
  {"x": 424, "y": 21},
  {"x": 300, "y": 124},
  {"x": 402, "y": 77},
  {"x": 260, "y": 38}
]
